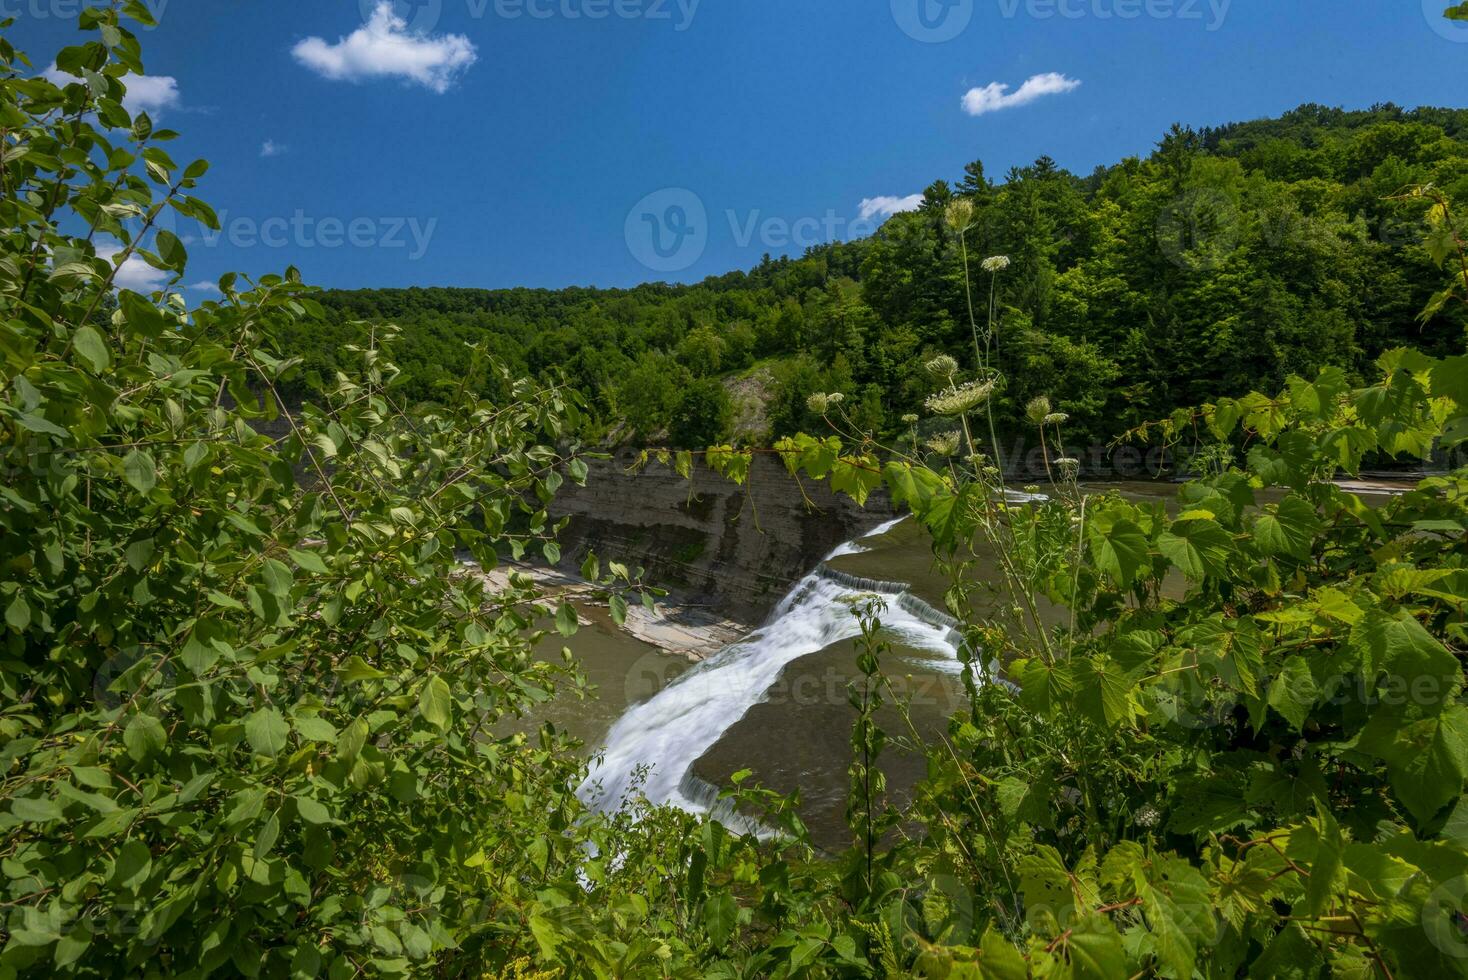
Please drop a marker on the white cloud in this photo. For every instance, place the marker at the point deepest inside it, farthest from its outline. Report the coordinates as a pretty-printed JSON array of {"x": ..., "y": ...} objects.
[
  {"x": 204, "y": 286},
  {"x": 145, "y": 93},
  {"x": 886, "y": 205},
  {"x": 135, "y": 274},
  {"x": 270, "y": 148},
  {"x": 384, "y": 47},
  {"x": 151, "y": 94},
  {"x": 996, "y": 95}
]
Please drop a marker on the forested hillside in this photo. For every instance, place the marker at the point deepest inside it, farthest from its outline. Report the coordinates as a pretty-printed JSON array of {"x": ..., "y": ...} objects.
[{"x": 1225, "y": 260}]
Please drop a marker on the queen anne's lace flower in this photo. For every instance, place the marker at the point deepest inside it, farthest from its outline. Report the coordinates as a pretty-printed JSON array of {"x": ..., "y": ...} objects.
[
  {"x": 960, "y": 399},
  {"x": 1057, "y": 418},
  {"x": 817, "y": 403},
  {"x": 945, "y": 444},
  {"x": 909, "y": 420},
  {"x": 996, "y": 263},
  {"x": 835, "y": 398}
]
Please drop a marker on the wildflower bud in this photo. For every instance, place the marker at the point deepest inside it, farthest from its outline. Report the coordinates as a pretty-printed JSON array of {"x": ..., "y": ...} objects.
[
  {"x": 817, "y": 404},
  {"x": 942, "y": 367},
  {"x": 959, "y": 214},
  {"x": 1037, "y": 409}
]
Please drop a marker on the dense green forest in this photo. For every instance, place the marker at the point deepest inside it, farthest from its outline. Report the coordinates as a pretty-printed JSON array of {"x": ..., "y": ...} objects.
[{"x": 1228, "y": 259}]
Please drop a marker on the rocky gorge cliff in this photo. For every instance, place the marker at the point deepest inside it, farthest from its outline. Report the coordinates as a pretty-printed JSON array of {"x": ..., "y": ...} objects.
[{"x": 735, "y": 549}]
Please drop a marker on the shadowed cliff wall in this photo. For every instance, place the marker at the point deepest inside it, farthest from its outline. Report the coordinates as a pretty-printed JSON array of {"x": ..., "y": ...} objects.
[{"x": 737, "y": 549}]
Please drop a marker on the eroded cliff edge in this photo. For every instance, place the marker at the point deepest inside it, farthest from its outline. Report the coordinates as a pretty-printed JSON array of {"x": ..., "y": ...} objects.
[{"x": 735, "y": 550}]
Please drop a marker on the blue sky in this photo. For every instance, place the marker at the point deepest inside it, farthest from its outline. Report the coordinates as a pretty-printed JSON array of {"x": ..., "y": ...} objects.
[{"x": 471, "y": 143}]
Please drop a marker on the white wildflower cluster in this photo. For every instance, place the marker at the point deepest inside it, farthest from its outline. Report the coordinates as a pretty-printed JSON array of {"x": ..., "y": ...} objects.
[
  {"x": 909, "y": 419},
  {"x": 1068, "y": 467},
  {"x": 996, "y": 263},
  {"x": 1056, "y": 418},
  {"x": 960, "y": 399},
  {"x": 945, "y": 444}
]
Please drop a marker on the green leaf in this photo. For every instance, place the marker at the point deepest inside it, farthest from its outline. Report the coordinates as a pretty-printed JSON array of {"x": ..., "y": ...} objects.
[
  {"x": 1119, "y": 550},
  {"x": 435, "y": 701},
  {"x": 312, "y": 811},
  {"x": 1197, "y": 546},
  {"x": 1293, "y": 691},
  {"x": 34, "y": 809},
  {"x": 18, "y": 613},
  {"x": 131, "y": 866},
  {"x": 720, "y": 916},
  {"x": 140, "y": 471},
  {"x": 70, "y": 947},
  {"x": 353, "y": 739},
  {"x": 314, "y": 728},
  {"x": 143, "y": 736},
  {"x": 356, "y": 669},
  {"x": 92, "y": 348},
  {"x": 308, "y": 561},
  {"x": 566, "y": 621},
  {"x": 267, "y": 731},
  {"x": 1427, "y": 760},
  {"x": 1095, "y": 951},
  {"x": 1289, "y": 529}
]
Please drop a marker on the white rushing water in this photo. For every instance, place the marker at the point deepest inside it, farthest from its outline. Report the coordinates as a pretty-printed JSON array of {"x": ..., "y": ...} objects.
[
  {"x": 660, "y": 739},
  {"x": 855, "y": 545}
]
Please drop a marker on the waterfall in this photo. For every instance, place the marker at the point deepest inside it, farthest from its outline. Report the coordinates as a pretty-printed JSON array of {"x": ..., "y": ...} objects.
[{"x": 653, "y": 746}]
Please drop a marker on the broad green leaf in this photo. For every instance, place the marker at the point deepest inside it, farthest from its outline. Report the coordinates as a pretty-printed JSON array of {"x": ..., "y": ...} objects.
[
  {"x": 1288, "y": 529},
  {"x": 143, "y": 736},
  {"x": 1120, "y": 551},
  {"x": 1292, "y": 692},
  {"x": 435, "y": 701},
  {"x": 1199, "y": 548},
  {"x": 719, "y": 917},
  {"x": 92, "y": 348},
  {"x": 566, "y": 621},
  {"x": 140, "y": 471},
  {"x": 267, "y": 731},
  {"x": 356, "y": 669}
]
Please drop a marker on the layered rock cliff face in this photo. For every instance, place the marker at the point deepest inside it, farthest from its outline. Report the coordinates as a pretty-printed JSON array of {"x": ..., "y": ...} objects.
[{"x": 735, "y": 549}]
